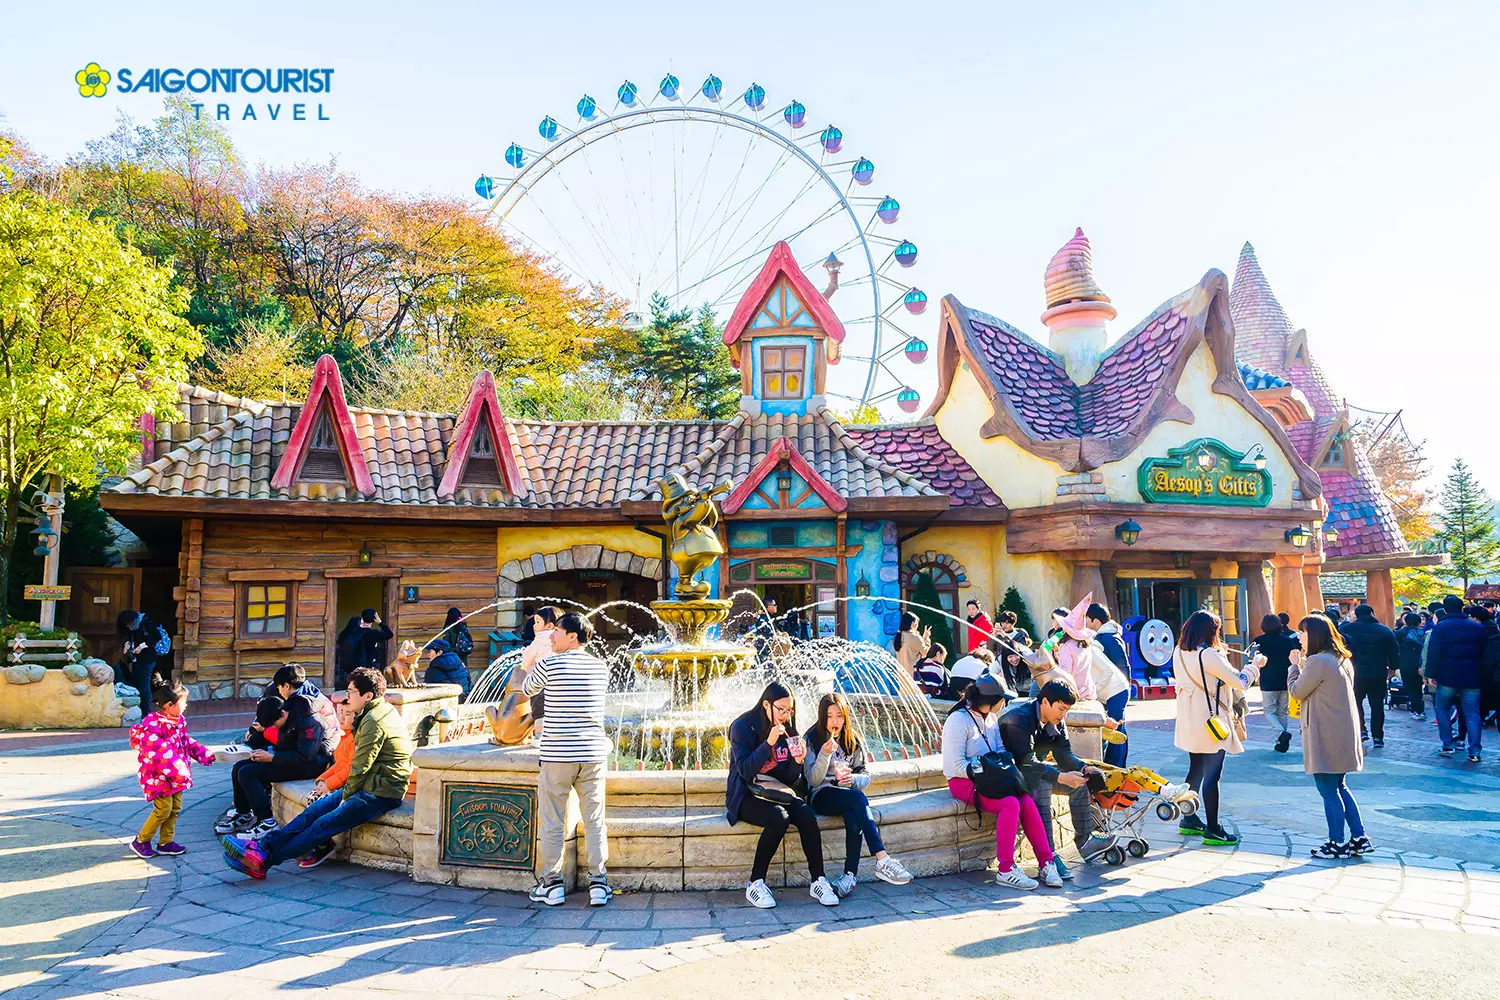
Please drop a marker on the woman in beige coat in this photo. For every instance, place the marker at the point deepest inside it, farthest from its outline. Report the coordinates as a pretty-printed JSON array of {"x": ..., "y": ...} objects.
[
  {"x": 1324, "y": 684},
  {"x": 1206, "y": 682}
]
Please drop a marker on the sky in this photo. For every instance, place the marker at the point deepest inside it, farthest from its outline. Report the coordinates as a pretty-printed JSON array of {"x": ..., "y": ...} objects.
[{"x": 1355, "y": 145}]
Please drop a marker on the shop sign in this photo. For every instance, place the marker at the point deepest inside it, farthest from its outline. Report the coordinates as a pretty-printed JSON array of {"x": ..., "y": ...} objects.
[
  {"x": 488, "y": 826},
  {"x": 1204, "y": 471},
  {"x": 41, "y": 592},
  {"x": 596, "y": 574},
  {"x": 783, "y": 571}
]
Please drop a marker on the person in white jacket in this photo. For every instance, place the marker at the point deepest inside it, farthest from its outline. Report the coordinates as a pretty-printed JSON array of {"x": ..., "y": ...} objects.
[{"x": 1206, "y": 683}]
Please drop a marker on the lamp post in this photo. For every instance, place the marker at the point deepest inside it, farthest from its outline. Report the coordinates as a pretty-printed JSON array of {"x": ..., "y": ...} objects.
[{"x": 49, "y": 543}]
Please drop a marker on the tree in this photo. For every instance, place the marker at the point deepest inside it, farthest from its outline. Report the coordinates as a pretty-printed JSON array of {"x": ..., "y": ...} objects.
[
  {"x": 90, "y": 339},
  {"x": 266, "y": 360},
  {"x": 1400, "y": 466},
  {"x": 680, "y": 368},
  {"x": 1013, "y": 601},
  {"x": 924, "y": 597},
  {"x": 1468, "y": 518}
]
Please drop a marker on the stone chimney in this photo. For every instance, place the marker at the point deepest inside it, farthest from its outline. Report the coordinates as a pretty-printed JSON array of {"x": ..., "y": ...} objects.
[{"x": 1078, "y": 311}]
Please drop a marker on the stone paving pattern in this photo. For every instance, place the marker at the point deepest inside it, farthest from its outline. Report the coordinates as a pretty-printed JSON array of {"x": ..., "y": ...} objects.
[{"x": 199, "y": 929}]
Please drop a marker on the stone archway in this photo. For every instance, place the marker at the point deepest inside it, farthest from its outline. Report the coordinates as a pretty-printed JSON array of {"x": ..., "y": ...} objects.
[{"x": 576, "y": 557}]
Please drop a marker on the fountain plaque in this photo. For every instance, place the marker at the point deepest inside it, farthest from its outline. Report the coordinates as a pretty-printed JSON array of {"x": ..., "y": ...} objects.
[{"x": 489, "y": 826}]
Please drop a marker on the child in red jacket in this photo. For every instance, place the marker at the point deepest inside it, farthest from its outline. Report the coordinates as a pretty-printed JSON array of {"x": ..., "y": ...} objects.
[{"x": 165, "y": 753}]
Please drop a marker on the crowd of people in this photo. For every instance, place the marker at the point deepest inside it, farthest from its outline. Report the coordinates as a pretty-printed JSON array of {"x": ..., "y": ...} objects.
[{"x": 1004, "y": 754}]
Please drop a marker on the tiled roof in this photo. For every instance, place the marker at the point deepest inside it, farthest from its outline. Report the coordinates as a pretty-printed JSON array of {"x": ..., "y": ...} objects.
[
  {"x": 1030, "y": 376},
  {"x": 921, "y": 450},
  {"x": 1264, "y": 338},
  {"x": 1342, "y": 583},
  {"x": 564, "y": 464},
  {"x": 1258, "y": 378}
]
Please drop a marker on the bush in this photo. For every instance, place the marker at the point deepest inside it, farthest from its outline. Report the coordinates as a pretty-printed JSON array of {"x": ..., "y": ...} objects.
[{"x": 31, "y": 630}]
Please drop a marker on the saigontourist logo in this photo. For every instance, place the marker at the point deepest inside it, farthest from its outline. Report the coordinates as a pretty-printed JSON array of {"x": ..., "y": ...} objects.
[{"x": 94, "y": 81}]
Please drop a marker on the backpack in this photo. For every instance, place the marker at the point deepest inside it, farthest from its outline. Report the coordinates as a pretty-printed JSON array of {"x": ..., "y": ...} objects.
[
  {"x": 163, "y": 644},
  {"x": 463, "y": 642}
]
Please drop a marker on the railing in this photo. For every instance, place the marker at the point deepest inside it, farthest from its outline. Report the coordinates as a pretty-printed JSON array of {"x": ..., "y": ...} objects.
[{"x": 46, "y": 652}]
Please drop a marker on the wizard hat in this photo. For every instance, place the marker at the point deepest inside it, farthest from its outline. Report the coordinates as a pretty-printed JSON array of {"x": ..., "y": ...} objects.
[{"x": 1074, "y": 623}]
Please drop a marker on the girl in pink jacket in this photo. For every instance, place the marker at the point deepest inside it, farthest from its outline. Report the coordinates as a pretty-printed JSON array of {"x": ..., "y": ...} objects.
[{"x": 165, "y": 753}]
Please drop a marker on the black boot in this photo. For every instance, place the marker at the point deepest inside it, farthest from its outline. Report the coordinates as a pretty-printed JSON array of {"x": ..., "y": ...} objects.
[{"x": 1282, "y": 742}]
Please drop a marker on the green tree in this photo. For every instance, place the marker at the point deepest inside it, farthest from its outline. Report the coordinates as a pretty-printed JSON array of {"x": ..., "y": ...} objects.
[
  {"x": 1468, "y": 518},
  {"x": 91, "y": 337},
  {"x": 1013, "y": 601},
  {"x": 681, "y": 360},
  {"x": 924, "y": 596}
]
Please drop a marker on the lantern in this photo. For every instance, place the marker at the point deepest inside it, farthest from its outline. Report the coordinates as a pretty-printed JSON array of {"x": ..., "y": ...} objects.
[
  {"x": 1330, "y": 533},
  {"x": 1128, "y": 532},
  {"x": 908, "y": 399},
  {"x": 916, "y": 350},
  {"x": 1298, "y": 536},
  {"x": 1206, "y": 460},
  {"x": 862, "y": 588},
  {"x": 485, "y": 186},
  {"x": 365, "y": 555},
  {"x": 832, "y": 139},
  {"x": 916, "y": 301},
  {"x": 888, "y": 209},
  {"x": 906, "y": 253}
]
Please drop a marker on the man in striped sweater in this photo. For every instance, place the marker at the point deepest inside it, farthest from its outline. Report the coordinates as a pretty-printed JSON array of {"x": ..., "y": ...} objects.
[{"x": 573, "y": 749}]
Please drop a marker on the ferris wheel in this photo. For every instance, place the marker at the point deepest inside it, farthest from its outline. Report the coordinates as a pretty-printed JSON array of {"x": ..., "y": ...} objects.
[{"x": 681, "y": 192}]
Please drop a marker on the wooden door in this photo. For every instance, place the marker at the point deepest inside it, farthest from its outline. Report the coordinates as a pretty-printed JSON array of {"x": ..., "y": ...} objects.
[{"x": 99, "y": 595}]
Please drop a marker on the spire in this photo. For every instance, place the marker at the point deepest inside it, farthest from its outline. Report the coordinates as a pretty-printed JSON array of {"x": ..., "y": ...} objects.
[
  {"x": 1070, "y": 274},
  {"x": 1262, "y": 331}
]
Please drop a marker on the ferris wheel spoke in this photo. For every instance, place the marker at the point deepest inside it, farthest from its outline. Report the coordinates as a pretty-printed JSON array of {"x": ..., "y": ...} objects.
[
  {"x": 757, "y": 238},
  {"x": 737, "y": 217}
]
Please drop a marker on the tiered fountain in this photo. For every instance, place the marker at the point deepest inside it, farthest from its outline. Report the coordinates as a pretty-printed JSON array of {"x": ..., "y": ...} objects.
[{"x": 473, "y": 819}]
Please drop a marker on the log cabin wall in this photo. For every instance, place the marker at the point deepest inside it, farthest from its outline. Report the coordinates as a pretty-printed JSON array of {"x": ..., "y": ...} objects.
[{"x": 453, "y": 566}]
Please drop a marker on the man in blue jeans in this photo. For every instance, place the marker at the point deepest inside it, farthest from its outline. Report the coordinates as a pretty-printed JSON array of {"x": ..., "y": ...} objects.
[
  {"x": 1455, "y": 649},
  {"x": 376, "y": 784}
]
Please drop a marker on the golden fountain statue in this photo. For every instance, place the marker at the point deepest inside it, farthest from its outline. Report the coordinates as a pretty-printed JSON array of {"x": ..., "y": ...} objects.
[{"x": 691, "y": 660}]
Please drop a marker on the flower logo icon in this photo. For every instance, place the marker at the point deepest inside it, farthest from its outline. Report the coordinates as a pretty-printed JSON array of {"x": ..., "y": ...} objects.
[{"x": 92, "y": 81}]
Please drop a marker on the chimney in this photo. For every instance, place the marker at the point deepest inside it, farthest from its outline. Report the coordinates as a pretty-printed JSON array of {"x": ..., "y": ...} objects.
[
  {"x": 1078, "y": 311},
  {"x": 832, "y": 266}
]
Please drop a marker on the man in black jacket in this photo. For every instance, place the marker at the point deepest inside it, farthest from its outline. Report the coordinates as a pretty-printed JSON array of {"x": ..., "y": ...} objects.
[
  {"x": 301, "y": 753},
  {"x": 1410, "y": 638},
  {"x": 1376, "y": 659},
  {"x": 1276, "y": 643},
  {"x": 1034, "y": 729}
]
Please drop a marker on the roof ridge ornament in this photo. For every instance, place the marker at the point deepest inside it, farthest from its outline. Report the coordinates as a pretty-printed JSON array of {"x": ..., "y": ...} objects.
[{"x": 1070, "y": 274}]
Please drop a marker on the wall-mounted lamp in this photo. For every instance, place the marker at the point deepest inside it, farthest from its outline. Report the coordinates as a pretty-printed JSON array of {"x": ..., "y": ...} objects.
[
  {"x": 1128, "y": 532},
  {"x": 1298, "y": 536},
  {"x": 862, "y": 588},
  {"x": 365, "y": 555},
  {"x": 1259, "y": 458},
  {"x": 1182, "y": 560},
  {"x": 1330, "y": 533},
  {"x": 783, "y": 478},
  {"x": 1206, "y": 460}
]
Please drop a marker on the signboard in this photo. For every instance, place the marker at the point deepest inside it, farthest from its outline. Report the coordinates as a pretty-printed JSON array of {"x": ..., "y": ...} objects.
[
  {"x": 410, "y": 595},
  {"x": 1204, "y": 471},
  {"x": 101, "y": 599},
  {"x": 41, "y": 592},
  {"x": 488, "y": 826},
  {"x": 596, "y": 574},
  {"x": 783, "y": 571}
]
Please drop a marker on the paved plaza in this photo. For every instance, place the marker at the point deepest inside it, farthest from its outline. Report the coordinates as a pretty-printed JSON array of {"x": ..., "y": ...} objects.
[{"x": 80, "y": 917}]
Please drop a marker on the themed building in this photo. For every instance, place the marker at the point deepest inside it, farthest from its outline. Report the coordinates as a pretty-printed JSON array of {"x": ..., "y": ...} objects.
[{"x": 1142, "y": 469}]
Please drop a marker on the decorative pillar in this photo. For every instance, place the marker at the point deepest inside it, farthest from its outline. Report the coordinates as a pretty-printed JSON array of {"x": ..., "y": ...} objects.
[
  {"x": 1312, "y": 567},
  {"x": 1381, "y": 595},
  {"x": 1087, "y": 579},
  {"x": 1257, "y": 594},
  {"x": 841, "y": 574},
  {"x": 1288, "y": 590}
]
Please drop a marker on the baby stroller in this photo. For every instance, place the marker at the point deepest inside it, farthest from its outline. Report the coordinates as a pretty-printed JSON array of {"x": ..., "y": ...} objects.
[
  {"x": 1120, "y": 806},
  {"x": 1396, "y": 696}
]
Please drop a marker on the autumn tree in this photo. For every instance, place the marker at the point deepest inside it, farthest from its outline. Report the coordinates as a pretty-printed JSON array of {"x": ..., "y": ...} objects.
[
  {"x": 1400, "y": 466},
  {"x": 91, "y": 337},
  {"x": 1468, "y": 516}
]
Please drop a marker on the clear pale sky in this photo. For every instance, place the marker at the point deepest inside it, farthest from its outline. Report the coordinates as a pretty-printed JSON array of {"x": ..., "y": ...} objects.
[{"x": 1354, "y": 144}]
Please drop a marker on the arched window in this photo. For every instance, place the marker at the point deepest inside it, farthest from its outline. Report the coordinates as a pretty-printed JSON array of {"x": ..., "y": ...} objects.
[{"x": 944, "y": 578}]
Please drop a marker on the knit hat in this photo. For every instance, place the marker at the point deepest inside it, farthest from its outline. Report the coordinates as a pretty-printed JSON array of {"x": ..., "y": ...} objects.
[{"x": 1073, "y": 623}]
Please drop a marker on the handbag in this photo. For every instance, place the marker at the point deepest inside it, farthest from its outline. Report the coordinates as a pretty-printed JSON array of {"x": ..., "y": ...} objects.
[
  {"x": 994, "y": 773},
  {"x": 774, "y": 790},
  {"x": 1217, "y": 727}
]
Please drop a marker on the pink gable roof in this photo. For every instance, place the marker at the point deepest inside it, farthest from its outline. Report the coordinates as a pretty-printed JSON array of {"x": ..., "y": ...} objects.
[
  {"x": 783, "y": 448},
  {"x": 326, "y": 382},
  {"x": 482, "y": 404},
  {"x": 781, "y": 264}
]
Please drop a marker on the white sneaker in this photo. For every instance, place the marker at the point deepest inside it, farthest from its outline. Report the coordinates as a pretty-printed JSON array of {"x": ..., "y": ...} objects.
[
  {"x": 888, "y": 869},
  {"x": 823, "y": 892},
  {"x": 1016, "y": 879},
  {"x": 845, "y": 884},
  {"x": 234, "y": 821},
  {"x": 1050, "y": 876},
  {"x": 265, "y": 826},
  {"x": 759, "y": 894},
  {"x": 552, "y": 895},
  {"x": 600, "y": 893}
]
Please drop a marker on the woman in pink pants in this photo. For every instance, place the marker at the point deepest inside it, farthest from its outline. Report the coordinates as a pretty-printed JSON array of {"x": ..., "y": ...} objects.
[{"x": 972, "y": 730}]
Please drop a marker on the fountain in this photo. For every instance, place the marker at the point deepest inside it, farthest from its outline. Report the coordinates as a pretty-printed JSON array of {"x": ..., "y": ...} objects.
[{"x": 671, "y": 698}]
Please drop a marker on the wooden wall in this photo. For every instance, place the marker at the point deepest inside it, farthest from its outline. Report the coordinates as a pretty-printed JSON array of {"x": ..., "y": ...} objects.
[{"x": 453, "y": 565}]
